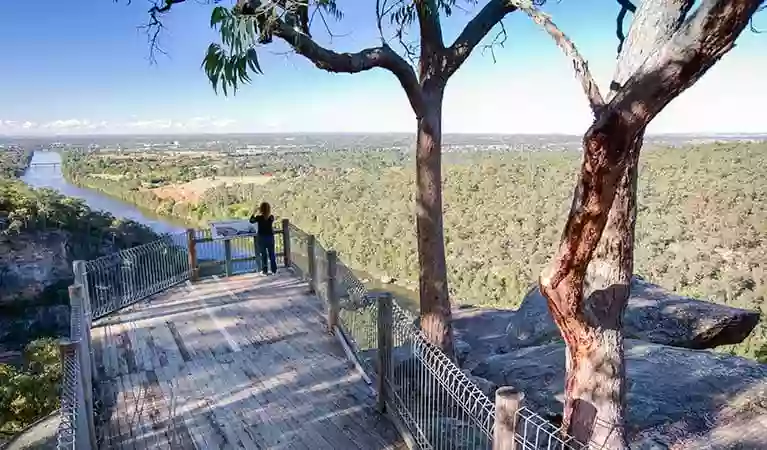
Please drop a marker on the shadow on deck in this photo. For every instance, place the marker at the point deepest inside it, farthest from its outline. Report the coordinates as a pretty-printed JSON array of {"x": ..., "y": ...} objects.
[{"x": 241, "y": 362}]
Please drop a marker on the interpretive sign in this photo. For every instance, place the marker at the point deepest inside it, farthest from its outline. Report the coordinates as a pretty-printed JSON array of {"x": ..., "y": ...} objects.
[{"x": 227, "y": 228}]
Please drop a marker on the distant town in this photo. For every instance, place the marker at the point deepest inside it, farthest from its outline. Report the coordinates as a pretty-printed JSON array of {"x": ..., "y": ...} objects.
[{"x": 299, "y": 143}]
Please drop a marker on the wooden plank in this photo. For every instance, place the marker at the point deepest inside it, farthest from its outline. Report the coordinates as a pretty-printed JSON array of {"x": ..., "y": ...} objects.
[
  {"x": 338, "y": 371},
  {"x": 295, "y": 398},
  {"x": 150, "y": 438},
  {"x": 217, "y": 393}
]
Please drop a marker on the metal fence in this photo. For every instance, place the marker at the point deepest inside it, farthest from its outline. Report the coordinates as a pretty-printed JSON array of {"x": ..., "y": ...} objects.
[
  {"x": 76, "y": 425},
  {"x": 123, "y": 278},
  {"x": 433, "y": 403}
]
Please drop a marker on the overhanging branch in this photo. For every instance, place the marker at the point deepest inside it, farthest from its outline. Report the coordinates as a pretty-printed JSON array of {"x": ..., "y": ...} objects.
[
  {"x": 581, "y": 67},
  {"x": 376, "y": 57},
  {"x": 477, "y": 28}
]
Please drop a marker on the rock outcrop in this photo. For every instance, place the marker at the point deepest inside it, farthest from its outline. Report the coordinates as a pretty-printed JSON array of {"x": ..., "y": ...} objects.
[
  {"x": 653, "y": 314},
  {"x": 688, "y": 399}
]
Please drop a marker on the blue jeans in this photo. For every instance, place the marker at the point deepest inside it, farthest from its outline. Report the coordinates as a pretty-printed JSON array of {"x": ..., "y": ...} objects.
[{"x": 266, "y": 249}]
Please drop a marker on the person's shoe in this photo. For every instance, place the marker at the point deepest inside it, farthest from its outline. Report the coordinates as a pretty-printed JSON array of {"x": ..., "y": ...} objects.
[{"x": 264, "y": 272}]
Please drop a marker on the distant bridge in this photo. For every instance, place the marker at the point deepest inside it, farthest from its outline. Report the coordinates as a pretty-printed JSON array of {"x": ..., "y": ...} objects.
[{"x": 45, "y": 164}]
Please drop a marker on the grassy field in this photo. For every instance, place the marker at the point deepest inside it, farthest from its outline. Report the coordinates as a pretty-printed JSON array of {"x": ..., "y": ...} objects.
[{"x": 702, "y": 219}]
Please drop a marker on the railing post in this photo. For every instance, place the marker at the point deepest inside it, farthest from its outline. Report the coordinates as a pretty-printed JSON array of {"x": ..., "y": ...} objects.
[
  {"x": 310, "y": 243},
  {"x": 385, "y": 344},
  {"x": 84, "y": 355},
  {"x": 286, "y": 240},
  {"x": 508, "y": 402},
  {"x": 333, "y": 300},
  {"x": 192, "y": 246},
  {"x": 228, "y": 257}
]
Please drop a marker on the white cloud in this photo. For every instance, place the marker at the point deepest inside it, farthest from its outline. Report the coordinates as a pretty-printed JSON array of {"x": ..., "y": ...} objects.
[{"x": 87, "y": 126}]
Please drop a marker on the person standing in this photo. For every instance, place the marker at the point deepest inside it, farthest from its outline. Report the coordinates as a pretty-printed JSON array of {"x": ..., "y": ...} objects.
[{"x": 265, "y": 221}]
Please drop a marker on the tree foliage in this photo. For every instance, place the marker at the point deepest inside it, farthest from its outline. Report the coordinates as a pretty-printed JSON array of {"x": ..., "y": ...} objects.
[
  {"x": 700, "y": 229},
  {"x": 30, "y": 392}
]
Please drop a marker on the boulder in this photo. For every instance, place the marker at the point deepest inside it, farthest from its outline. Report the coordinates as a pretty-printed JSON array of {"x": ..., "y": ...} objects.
[
  {"x": 653, "y": 314},
  {"x": 482, "y": 331},
  {"x": 688, "y": 399}
]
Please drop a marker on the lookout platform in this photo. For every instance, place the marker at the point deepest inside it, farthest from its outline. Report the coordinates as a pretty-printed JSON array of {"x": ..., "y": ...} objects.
[{"x": 239, "y": 362}]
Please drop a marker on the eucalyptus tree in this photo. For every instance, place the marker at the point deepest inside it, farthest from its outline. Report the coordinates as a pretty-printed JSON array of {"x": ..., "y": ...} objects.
[
  {"x": 669, "y": 47},
  {"x": 422, "y": 68}
]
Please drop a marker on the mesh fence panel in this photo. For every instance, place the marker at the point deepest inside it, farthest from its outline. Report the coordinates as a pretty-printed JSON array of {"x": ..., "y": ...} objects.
[
  {"x": 66, "y": 435},
  {"x": 299, "y": 251},
  {"x": 321, "y": 273}
]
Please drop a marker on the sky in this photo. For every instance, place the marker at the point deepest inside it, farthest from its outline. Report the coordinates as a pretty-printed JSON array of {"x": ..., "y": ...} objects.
[{"x": 82, "y": 67}]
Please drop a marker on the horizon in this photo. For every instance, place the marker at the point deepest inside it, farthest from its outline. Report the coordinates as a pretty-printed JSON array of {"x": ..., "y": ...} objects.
[
  {"x": 352, "y": 133},
  {"x": 101, "y": 84}
]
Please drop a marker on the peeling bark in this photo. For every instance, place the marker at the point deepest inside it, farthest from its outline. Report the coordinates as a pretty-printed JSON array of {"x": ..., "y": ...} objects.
[{"x": 587, "y": 285}]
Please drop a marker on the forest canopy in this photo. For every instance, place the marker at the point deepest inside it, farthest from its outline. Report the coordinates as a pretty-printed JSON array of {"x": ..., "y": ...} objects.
[{"x": 701, "y": 231}]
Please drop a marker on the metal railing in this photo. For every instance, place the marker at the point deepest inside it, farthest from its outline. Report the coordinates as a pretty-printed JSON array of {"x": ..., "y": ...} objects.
[
  {"x": 115, "y": 281},
  {"x": 431, "y": 401},
  {"x": 76, "y": 425}
]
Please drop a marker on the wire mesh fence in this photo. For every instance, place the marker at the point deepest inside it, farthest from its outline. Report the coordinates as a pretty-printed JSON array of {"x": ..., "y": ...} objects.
[
  {"x": 70, "y": 401},
  {"x": 432, "y": 400},
  {"x": 76, "y": 410}
]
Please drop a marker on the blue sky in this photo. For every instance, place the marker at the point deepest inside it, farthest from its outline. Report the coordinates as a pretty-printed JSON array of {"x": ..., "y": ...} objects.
[{"x": 81, "y": 66}]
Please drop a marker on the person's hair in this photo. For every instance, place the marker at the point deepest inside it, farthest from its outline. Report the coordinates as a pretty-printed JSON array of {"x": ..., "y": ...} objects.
[{"x": 265, "y": 209}]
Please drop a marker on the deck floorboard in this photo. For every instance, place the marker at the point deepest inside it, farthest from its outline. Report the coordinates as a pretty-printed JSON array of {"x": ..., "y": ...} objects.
[{"x": 231, "y": 363}]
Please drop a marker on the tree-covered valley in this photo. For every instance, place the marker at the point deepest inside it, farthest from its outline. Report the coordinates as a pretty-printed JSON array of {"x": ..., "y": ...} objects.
[{"x": 701, "y": 231}]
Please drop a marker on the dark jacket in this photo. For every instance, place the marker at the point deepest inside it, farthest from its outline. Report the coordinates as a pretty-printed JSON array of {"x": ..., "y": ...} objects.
[{"x": 265, "y": 224}]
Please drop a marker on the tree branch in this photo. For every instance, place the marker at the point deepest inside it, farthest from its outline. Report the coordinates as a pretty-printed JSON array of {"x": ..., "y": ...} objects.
[
  {"x": 581, "y": 67},
  {"x": 382, "y": 57},
  {"x": 626, "y": 7},
  {"x": 477, "y": 28},
  {"x": 707, "y": 35},
  {"x": 431, "y": 30},
  {"x": 701, "y": 41},
  {"x": 655, "y": 23}
]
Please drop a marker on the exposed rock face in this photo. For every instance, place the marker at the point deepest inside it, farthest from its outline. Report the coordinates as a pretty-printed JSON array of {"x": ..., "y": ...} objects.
[
  {"x": 32, "y": 266},
  {"x": 31, "y": 262},
  {"x": 690, "y": 399},
  {"x": 653, "y": 314}
]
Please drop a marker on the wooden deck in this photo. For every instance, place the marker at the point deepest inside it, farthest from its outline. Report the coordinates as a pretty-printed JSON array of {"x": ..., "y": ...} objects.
[{"x": 242, "y": 362}]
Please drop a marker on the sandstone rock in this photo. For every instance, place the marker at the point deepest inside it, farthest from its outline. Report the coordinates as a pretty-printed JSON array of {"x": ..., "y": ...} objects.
[
  {"x": 653, "y": 314},
  {"x": 482, "y": 330},
  {"x": 679, "y": 398}
]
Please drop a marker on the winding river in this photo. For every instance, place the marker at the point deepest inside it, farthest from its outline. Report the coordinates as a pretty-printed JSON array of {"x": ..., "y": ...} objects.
[{"x": 50, "y": 176}]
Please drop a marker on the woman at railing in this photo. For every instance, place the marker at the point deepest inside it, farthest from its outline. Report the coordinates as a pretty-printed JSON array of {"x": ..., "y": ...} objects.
[{"x": 265, "y": 221}]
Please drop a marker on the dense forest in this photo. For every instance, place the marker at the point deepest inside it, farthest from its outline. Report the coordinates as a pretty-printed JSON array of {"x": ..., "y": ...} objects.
[
  {"x": 13, "y": 161},
  {"x": 702, "y": 226},
  {"x": 29, "y": 386}
]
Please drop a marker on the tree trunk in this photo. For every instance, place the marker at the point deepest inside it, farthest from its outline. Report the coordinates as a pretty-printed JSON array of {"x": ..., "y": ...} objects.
[
  {"x": 436, "y": 314},
  {"x": 601, "y": 419}
]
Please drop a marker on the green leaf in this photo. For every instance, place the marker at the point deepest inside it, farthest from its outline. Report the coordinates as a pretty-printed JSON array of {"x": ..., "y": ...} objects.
[
  {"x": 218, "y": 15},
  {"x": 252, "y": 57}
]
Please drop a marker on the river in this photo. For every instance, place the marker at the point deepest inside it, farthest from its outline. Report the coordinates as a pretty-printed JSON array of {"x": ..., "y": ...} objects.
[{"x": 50, "y": 176}]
